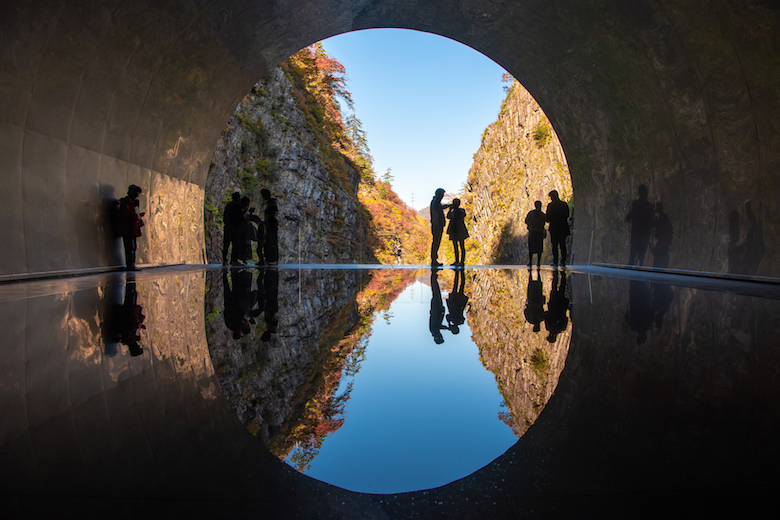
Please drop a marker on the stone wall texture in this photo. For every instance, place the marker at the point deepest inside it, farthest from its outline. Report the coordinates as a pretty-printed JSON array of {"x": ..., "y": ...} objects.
[{"x": 681, "y": 97}]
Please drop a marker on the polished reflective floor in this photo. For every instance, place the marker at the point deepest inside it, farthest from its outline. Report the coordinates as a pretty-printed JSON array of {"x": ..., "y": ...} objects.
[{"x": 293, "y": 391}]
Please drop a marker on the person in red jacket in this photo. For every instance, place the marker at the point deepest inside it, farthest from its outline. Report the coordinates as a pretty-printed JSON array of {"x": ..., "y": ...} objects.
[{"x": 129, "y": 224}]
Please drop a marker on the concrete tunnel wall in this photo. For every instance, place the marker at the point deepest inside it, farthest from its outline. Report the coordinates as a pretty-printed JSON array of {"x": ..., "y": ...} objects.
[{"x": 680, "y": 96}]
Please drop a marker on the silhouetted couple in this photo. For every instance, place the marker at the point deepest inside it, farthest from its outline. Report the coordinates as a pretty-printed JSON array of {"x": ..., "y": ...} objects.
[
  {"x": 555, "y": 318},
  {"x": 456, "y": 304},
  {"x": 456, "y": 229},
  {"x": 242, "y": 227},
  {"x": 647, "y": 219},
  {"x": 557, "y": 217}
]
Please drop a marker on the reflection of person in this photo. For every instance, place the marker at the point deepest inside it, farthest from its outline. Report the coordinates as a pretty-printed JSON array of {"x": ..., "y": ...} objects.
[
  {"x": 271, "y": 302},
  {"x": 558, "y": 217},
  {"x": 640, "y": 310},
  {"x": 437, "y": 310},
  {"x": 129, "y": 224},
  {"x": 535, "y": 222},
  {"x": 231, "y": 217},
  {"x": 270, "y": 217},
  {"x": 437, "y": 225},
  {"x": 663, "y": 237},
  {"x": 457, "y": 231},
  {"x": 456, "y": 303},
  {"x": 534, "y": 302},
  {"x": 641, "y": 218},
  {"x": 555, "y": 319},
  {"x": 131, "y": 318},
  {"x": 239, "y": 299}
]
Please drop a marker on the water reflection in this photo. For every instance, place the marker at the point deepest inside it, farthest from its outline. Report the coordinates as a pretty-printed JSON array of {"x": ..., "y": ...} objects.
[
  {"x": 307, "y": 393},
  {"x": 506, "y": 317},
  {"x": 695, "y": 407}
]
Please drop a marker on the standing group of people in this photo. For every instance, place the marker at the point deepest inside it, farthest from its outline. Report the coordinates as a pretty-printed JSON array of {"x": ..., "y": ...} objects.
[
  {"x": 557, "y": 216},
  {"x": 456, "y": 229},
  {"x": 242, "y": 227}
]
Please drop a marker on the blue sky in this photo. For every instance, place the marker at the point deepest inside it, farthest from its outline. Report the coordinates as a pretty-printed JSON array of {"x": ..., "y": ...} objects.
[{"x": 424, "y": 101}]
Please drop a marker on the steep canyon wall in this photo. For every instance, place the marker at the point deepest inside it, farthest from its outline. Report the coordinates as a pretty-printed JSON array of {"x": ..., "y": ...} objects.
[{"x": 519, "y": 161}]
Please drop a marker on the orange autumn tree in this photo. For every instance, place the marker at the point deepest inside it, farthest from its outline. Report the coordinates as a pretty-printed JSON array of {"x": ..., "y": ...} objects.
[{"x": 397, "y": 233}]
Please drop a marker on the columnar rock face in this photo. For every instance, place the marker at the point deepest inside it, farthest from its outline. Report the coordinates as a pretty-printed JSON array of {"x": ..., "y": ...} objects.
[
  {"x": 519, "y": 321},
  {"x": 268, "y": 143},
  {"x": 519, "y": 161}
]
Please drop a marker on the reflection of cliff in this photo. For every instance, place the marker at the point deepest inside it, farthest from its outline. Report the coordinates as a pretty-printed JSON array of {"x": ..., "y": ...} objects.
[
  {"x": 509, "y": 317},
  {"x": 286, "y": 390}
]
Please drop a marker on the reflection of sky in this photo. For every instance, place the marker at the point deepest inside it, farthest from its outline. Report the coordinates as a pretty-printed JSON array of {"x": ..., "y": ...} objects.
[{"x": 420, "y": 415}]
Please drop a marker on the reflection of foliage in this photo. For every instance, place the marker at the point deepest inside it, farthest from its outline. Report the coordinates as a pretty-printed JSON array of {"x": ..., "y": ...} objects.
[{"x": 318, "y": 407}]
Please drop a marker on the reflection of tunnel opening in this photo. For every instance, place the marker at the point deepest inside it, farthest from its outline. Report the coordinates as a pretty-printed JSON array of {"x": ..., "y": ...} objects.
[{"x": 268, "y": 142}]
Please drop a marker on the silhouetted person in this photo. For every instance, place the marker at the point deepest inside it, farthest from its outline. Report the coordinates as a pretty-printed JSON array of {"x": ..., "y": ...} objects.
[
  {"x": 257, "y": 233},
  {"x": 456, "y": 302},
  {"x": 239, "y": 300},
  {"x": 270, "y": 217},
  {"x": 641, "y": 218},
  {"x": 663, "y": 237},
  {"x": 535, "y": 221},
  {"x": 555, "y": 319},
  {"x": 558, "y": 217},
  {"x": 534, "y": 302},
  {"x": 640, "y": 310},
  {"x": 271, "y": 301},
  {"x": 129, "y": 224},
  {"x": 131, "y": 318},
  {"x": 232, "y": 218},
  {"x": 744, "y": 257},
  {"x": 246, "y": 231},
  {"x": 437, "y": 309},
  {"x": 437, "y": 225},
  {"x": 457, "y": 231}
]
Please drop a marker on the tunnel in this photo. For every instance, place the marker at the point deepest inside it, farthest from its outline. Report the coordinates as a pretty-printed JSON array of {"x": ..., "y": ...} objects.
[{"x": 681, "y": 97}]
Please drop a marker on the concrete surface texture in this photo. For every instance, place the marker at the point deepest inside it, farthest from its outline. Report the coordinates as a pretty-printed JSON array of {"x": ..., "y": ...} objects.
[{"x": 679, "y": 96}]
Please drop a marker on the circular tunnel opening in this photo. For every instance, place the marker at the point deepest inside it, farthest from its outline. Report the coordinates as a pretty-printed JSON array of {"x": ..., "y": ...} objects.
[{"x": 298, "y": 133}]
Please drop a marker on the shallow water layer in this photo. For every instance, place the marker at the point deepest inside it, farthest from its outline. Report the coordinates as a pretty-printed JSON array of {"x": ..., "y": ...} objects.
[{"x": 189, "y": 387}]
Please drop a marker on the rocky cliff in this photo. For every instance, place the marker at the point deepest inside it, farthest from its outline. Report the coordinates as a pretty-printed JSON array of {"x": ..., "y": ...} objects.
[
  {"x": 269, "y": 142},
  {"x": 289, "y": 135},
  {"x": 519, "y": 161}
]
